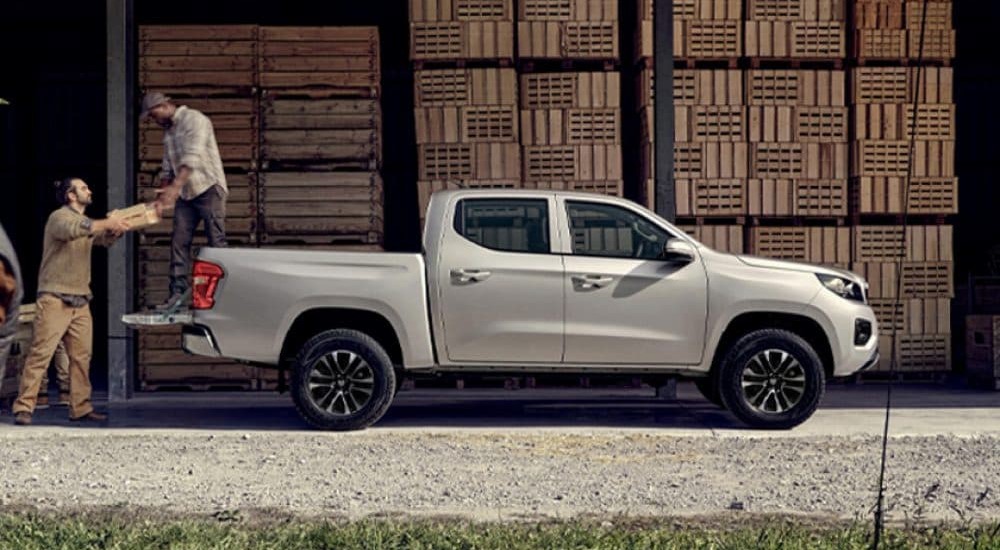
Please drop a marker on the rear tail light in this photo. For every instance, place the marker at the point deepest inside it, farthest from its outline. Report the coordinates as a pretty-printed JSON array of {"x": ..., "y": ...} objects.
[{"x": 205, "y": 281}]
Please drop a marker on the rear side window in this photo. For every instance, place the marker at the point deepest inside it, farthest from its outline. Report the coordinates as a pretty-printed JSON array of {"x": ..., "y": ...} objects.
[{"x": 509, "y": 225}]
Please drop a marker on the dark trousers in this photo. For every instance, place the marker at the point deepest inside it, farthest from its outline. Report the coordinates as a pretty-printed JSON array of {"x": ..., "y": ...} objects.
[{"x": 210, "y": 206}]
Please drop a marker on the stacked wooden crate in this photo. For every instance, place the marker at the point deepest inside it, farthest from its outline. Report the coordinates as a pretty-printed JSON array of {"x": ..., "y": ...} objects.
[
  {"x": 320, "y": 181},
  {"x": 452, "y": 30},
  {"x": 702, "y": 29},
  {"x": 211, "y": 69},
  {"x": 883, "y": 117},
  {"x": 571, "y": 131},
  {"x": 467, "y": 129},
  {"x": 568, "y": 29},
  {"x": 891, "y": 30},
  {"x": 796, "y": 29}
]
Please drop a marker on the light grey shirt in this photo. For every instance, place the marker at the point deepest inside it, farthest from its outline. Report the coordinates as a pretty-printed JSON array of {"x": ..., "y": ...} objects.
[{"x": 190, "y": 141}]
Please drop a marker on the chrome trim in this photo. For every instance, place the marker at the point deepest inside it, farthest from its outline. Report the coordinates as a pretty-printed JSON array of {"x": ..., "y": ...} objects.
[{"x": 198, "y": 340}]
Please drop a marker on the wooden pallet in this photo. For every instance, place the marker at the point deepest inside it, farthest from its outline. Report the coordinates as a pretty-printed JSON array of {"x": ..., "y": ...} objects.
[
  {"x": 797, "y": 88},
  {"x": 544, "y": 163}
]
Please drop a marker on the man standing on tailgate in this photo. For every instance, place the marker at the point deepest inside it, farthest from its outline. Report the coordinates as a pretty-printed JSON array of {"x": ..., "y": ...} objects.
[{"x": 192, "y": 182}]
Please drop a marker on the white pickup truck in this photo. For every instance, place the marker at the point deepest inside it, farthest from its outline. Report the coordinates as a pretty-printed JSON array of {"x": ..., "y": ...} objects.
[{"x": 534, "y": 282}]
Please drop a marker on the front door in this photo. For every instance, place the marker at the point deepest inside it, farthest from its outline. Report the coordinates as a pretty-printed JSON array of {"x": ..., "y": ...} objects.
[
  {"x": 501, "y": 286},
  {"x": 623, "y": 304}
]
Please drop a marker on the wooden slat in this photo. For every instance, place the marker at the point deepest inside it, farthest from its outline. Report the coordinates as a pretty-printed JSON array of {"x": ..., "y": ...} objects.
[
  {"x": 197, "y": 32},
  {"x": 319, "y": 107},
  {"x": 363, "y": 50},
  {"x": 326, "y": 63},
  {"x": 197, "y": 48},
  {"x": 331, "y": 137},
  {"x": 347, "y": 34},
  {"x": 298, "y": 79},
  {"x": 153, "y": 63},
  {"x": 195, "y": 78}
]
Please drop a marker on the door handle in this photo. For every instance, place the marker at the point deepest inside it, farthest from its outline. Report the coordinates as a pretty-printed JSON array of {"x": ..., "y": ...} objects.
[
  {"x": 587, "y": 282},
  {"x": 465, "y": 276}
]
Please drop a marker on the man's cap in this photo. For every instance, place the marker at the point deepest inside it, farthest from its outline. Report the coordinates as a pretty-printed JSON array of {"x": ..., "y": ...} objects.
[{"x": 152, "y": 99}]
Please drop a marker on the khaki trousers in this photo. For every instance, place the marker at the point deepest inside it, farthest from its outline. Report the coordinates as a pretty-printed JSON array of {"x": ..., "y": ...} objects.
[
  {"x": 61, "y": 361},
  {"x": 56, "y": 321}
]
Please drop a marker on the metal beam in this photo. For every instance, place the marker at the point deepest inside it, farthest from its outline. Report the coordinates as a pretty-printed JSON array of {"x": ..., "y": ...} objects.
[
  {"x": 663, "y": 86},
  {"x": 120, "y": 191}
]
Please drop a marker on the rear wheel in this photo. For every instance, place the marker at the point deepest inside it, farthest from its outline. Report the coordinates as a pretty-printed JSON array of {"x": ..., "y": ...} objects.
[
  {"x": 342, "y": 380},
  {"x": 771, "y": 379}
]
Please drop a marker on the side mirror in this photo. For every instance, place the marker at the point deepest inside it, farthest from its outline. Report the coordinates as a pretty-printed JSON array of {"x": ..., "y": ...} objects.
[{"x": 678, "y": 251}]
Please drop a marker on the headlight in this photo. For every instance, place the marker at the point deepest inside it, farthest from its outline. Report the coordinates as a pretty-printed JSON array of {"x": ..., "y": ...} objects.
[{"x": 845, "y": 288}]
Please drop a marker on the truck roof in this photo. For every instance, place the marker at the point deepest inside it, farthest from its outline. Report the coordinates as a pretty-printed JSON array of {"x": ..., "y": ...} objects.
[{"x": 446, "y": 194}]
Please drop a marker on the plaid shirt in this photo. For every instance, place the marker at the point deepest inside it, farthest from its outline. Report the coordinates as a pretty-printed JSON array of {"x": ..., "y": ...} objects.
[{"x": 190, "y": 141}]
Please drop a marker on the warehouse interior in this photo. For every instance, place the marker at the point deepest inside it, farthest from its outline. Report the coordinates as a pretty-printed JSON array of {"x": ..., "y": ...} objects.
[{"x": 56, "y": 82}]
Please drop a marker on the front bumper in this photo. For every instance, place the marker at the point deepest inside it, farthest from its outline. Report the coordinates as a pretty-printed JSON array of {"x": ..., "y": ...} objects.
[
  {"x": 198, "y": 340},
  {"x": 872, "y": 361}
]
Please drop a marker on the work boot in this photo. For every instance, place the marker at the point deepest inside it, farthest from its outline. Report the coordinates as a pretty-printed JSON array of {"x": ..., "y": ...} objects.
[
  {"x": 92, "y": 416},
  {"x": 42, "y": 402},
  {"x": 22, "y": 419},
  {"x": 63, "y": 399}
]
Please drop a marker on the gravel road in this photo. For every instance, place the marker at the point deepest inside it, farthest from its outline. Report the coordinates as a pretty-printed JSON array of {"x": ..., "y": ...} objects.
[{"x": 494, "y": 475}]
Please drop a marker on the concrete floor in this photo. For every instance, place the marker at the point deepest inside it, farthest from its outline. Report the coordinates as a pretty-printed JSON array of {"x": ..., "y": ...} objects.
[{"x": 918, "y": 410}]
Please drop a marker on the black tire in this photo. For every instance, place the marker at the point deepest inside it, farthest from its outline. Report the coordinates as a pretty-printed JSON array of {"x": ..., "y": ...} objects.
[
  {"x": 341, "y": 361},
  {"x": 786, "y": 366},
  {"x": 709, "y": 388}
]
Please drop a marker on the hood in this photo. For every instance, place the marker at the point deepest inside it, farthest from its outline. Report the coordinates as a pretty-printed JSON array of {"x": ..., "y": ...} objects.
[{"x": 768, "y": 263}]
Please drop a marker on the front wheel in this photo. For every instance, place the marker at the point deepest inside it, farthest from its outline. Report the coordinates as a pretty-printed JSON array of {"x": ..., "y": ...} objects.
[
  {"x": 342, "y": 380},
  {"x": 772, "y": 379}
]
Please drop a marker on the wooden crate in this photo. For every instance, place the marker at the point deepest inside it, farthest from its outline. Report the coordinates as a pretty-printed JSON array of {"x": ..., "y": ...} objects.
[
  {"x": 571, "y": 163},
  {"x": 913, "y": 316},
  {"x": 724, "y": 238},
  {"x": 874, "y": 44},
  {"x": 891, "y": 158},
  {"x": 795, "y": 10},
  {"x": 471, "y": 124},
  {"x": 469, "y": 161},
  {"x": 879, "y": 14},
  {"x": 462, "y": 40},
  {"x": 916, "y": 353},
  {"x": 885, "y": 195},
  {"x": 818, "y": 245},
  {"x": 345, "y": 59},
  {"x": 464, "y": 87},
  {"x": 894, "y": 121},
  {"x": 241, "y": 207},
  {"x": 982, "y": 350},
  {"x": 705, "y": 160},
  {"x": 702, "y": 39},
  {"x": 324, "y": 204},
  {"x": 570, "y": 126},
  {"x": 571, "y": 90},
  {"x": 784, "y": 124},
  {"x": 918, "y": 279},
  {"x": 924, "y": 243},
  {"x": 822, "y": 40},
  {"x": 939, "y": 15},
  {"x": 695, "y": 17},
  {"x": 814, "y": 161},
  {"x": 461, "y": 10},
  {"x": 163, "y": 365},
  {"x": 938, "y": 44},
  {"x": 804, "y": 198},
  {"x": 215, "y": 56},
  {"x": 697, "y": 87},
  {"x": 710, "y": 197},
  {"x": 567, "y": 10},
  {"x": 796, "y": 88},
  {"x": 897, "y": 85},
  {"x": 341, "y": 133},
  {"x": 703, "y": 123}
]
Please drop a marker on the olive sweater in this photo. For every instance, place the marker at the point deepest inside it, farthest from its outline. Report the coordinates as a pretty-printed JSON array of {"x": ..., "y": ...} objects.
[{"x": 66, "y": 254}]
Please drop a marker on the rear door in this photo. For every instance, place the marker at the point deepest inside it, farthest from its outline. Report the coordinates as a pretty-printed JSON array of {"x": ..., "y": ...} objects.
[{"x": 500, "y": 284}]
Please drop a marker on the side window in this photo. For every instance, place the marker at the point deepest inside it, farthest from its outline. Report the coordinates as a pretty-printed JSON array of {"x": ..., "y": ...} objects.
[
  {"x": 510, "y": 225},
  {"x": 611, "y": 231}
]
